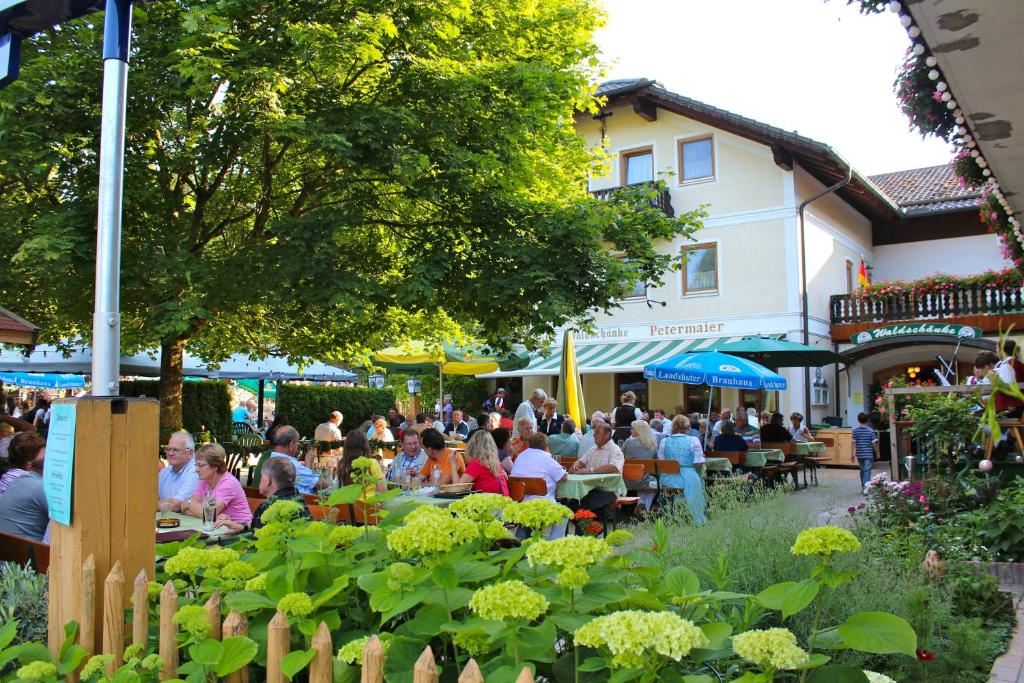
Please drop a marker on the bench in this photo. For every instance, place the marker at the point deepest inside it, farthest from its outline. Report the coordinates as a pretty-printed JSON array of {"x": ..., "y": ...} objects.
[{"x": 23, "y": 550}]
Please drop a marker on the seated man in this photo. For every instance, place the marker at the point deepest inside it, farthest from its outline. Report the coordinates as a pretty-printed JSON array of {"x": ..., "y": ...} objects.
[
  {"x": 179, "y": 479},
  {"x": 277, "y": 482},
  {"x": 604, "y": 457},
  {"x": 409, "y": 461},
  {"x": 729, "y": 440},
  {"x": 565, "y": 444},
  {"x": 286, "y": 445},
  {"x": 457, "y": 425}
]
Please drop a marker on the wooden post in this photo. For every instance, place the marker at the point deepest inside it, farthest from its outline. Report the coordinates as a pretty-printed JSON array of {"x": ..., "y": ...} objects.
[
  {"x": 114, "y": 502},
  {"x": 113, "y": 617},
  {"x": 235, "y": 625},
  {"x": 87, "y": 605},
  {"x": 894, "y": 444},
  {"x": 525, "y": 676},
  {"x": 213, "y": 615},
  {"x": 373, "y": 661},
  {"x": 425, "y": 669},
  {"x": 278, "y": 644},
  {"x": 168, "y": 631},
  {"x": 321, "y": 669},
  {"x": 140, "y": 611},
  {"x": 471, "y": 673}
]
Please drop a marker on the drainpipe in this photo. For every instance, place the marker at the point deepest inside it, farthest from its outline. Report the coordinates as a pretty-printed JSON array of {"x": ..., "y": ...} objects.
[{"x": 803, "y": 278}]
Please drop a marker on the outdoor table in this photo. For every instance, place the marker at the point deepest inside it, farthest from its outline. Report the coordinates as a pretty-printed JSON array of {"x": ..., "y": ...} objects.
[
  {"x": 714, "y": 465},
  {"x": 576, "y": 486},
  {"x": 421, "y": 498},
  {"x": 810, "y": 447},
  {"x": 760, "y": 457},
  {"x": 191, "y": 524}
]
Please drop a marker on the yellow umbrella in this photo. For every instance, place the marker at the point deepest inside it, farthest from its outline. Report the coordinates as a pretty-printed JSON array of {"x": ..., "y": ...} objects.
[{"x": 570, "y": 388}]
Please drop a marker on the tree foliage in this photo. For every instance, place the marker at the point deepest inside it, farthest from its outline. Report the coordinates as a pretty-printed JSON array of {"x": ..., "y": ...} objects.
[{"x": 319, "y": 179}]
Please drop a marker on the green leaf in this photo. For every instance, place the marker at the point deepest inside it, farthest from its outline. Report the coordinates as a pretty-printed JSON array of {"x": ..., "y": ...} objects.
[
  {"x": 879, "y": 633},
  {"x": 837, "y": 673},
  {"x": 716, "y": 632},
  {"x": 445, "y": 576},
  {"x": 600, "y": 594},
  {"x": 827, "y": 639},
  {"x": 207, "y": 652},
  {"x": 472, "y": 572},
  {"x": 294, "y": 662},
  {"x": 338, "y": 585},
  {"x": 815, "y": 660},
  {"x": 799, "y": 597},
  {"x": 772, "y": 596},
  {"x": 245, "y": 601},
  {"x": 593, "y": 664},
  {"x": 698, "y": 678},
  {"x": 570, "y": 621},
  {"x": 125, "y": 675},
  {"x": 428, "y": 620},
  {"x": 238, "y": 652},
  {"x": 346, "y": 495},
  {"x": 535, "y": 642},
  {"x": 682, "y": 581},
  {"x": 7, "y": 633}
]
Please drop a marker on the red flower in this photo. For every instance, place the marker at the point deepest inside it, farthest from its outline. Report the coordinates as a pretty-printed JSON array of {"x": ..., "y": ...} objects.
[
  {"x": 592, "y": 528},
  {"x": 584, "y": 514},
  {"x": 924, "y": 655}
]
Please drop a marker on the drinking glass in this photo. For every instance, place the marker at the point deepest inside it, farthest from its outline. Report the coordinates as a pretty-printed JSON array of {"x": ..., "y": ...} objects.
[
  {"x": 435, "y": 474},
  {"x": 415, "y": 478},
  {"x": 165, "y": 508},
  {"x": 209, "y": 513}
]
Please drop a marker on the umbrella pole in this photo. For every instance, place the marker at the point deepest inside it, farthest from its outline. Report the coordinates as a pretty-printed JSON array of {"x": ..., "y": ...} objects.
[
  {"x": 707, "y": 432},
  {"x": 440, "y": 391}
]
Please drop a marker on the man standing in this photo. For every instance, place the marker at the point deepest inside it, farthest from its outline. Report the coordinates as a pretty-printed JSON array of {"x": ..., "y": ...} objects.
[
  {"x": 277, "y": 482},
  {"x": 240, "y": 413},
  {"x": 286, "y": 445},
  {"x": 329, "y": 431},
  {"x": 498, "y": 401},
  {"x": 624, "y": 415},
  {"x": 604, "y": 457},
  {"x": 179, "y": 479},
  {"x": 528, "y": 409},
  {"x": 666, "y": 424},
  {"x": 457, "y": 425}
]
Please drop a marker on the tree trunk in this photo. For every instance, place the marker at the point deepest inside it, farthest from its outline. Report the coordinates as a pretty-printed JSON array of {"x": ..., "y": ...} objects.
[{"x": 171, "y": 378}]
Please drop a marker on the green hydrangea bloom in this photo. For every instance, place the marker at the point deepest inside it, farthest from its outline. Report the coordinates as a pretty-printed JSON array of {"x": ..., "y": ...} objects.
[
  {"x": 345, "y": 534},
  {"x": 132, "y": 651},
  {"x": 153, "y": 663},
  {"x": 400, "y": 575},
  {"x": 537, "y": 514},
  {"x": 429, "y": 530},
  {"x": 352, "y": 651},
  {"x": 481, "y": 505},
  {"x": 96, "y": 666},
  {"x": 270, "y": 536},
  {"x": 257, "y": 583},
  {"x": 187, "y": 561},
  {"x": 281, "y": 511},
  {"x": 153, "y": 589},
  {"x": 313, "y": 529},
  {"x": 570, "y": 551},
  {"x": 192, "y": 618},
  {"x": 298, "y": 604},
  {"x": 572, "y": 578},
  {"x": 39, "y": 671},
  {"x": 630, "y": 634},
  {"x": 774, "y": 648},
  {"x": 875, "y": 677},
  {"x": 508, "y": 600},
  {"x": 220, "y": 557},
  {"x": 239, "y": 570},
  {"x": 473, "y": 642},
  {"x": 824, "y": 540},
  {"x": 618, "y": 537},
  {"x": 493, "y": 530},
  {"x": 362, "y": 463}
]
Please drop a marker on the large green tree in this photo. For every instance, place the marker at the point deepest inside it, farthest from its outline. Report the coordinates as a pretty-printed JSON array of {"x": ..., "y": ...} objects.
[{"x": 320, "y": 178}]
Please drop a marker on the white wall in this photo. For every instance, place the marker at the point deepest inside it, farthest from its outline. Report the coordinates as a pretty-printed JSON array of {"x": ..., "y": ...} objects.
[{"x": 954, "y": 256}]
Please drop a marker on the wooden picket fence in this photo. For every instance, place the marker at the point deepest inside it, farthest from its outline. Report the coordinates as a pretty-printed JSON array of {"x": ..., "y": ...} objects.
[{"x": 320, "y": 668}]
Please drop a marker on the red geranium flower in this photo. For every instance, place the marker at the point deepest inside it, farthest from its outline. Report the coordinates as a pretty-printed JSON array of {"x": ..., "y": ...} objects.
[
  {"x": 924, "y": 655},
  {"x": 592, "y": 528},
  {"x": 584, "y": 514}
]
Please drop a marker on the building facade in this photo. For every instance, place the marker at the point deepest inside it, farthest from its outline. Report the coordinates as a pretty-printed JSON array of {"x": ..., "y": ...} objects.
[{"x": 742, "y": 271}]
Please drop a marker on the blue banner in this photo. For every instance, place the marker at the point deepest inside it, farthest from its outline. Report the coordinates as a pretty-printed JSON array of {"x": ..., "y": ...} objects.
[{"x": 44, "y": 381}]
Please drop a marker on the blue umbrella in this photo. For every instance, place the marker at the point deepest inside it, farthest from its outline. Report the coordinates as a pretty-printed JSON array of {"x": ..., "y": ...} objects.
[
  {"x": 46, "y": 381},
  {"x": 716, "y": 370}
]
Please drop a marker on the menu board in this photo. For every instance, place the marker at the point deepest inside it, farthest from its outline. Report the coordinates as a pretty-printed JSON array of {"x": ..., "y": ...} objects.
[{"x": 59, "y": 466}]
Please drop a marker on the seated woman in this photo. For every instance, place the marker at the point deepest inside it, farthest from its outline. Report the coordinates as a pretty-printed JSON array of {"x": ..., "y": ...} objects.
[
  {"x": 502, "y": 437},
  {"x": 358, "y": 446},
  {"x": 438, "y": 459},
  {"x": 483, "y": 468},
  {"x": 641, "y": 444},
  {"x": 23, "y": 507},
  {"x": 216, "y": 481},
  {"x": 797, "y": 429},
  {"x": 565, "y": 444},
  {"x": 551, "y": 422},
  {"x": 729, "y": 440},
  {"x": 774, "y": 431},
  {"x": 685, "y": 450}
]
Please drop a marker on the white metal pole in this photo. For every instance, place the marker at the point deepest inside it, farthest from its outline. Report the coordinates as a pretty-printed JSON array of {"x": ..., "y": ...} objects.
[{"x": 106, "y": 335}]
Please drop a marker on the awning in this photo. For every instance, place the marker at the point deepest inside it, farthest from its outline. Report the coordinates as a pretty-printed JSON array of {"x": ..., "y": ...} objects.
[{"x": 616, "y": 357}]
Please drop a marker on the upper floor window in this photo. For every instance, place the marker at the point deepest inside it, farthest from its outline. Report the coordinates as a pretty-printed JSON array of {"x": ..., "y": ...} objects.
[
  {"x": 696, "y": 159},
  {"x": 700, "y": 269},
  {"x": 638, "y": 166},
  {"x": 638, "y": 289}
]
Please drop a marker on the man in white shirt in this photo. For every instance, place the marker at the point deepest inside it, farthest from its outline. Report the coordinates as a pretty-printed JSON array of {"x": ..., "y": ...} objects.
[
  {"x": 587, "y": 440},
  {"x": 666, "y": 424},
  {"x": 329, "y": 431},
  {"x": 604, "y": 458},
  {"x": 717, "y": 429},
  {"x": 528, "y": 410},
  {"x": 178, "y": 481}
]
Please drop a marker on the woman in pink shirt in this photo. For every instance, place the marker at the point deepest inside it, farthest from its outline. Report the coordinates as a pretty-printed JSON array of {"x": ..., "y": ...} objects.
[
  {"x": 482, "y": 466},
  {"x": 214, "y": 479}
]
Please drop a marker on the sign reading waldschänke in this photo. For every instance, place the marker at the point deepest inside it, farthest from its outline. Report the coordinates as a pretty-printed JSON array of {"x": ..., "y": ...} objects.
[{"x": 915, "y": 329}]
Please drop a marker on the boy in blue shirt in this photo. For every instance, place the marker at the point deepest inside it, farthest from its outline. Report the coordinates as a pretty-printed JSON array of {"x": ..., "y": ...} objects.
[{"x": 865, "y": 448}]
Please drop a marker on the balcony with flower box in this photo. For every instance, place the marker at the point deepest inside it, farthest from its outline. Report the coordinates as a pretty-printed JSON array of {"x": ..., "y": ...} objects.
[{"x": 992, "y": 301}]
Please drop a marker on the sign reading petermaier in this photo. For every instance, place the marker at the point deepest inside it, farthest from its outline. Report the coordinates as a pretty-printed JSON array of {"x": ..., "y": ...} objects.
[{"x": 917, "y": 329}]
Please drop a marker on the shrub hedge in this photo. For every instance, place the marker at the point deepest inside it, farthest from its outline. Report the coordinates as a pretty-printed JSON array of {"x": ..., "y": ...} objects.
[
  {"x": 309, "y": 405},
  {"x": 203, "y": 403}
]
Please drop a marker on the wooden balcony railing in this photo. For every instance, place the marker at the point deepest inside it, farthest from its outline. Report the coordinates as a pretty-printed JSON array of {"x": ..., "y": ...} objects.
[
  {"x": 659, "y": 201},
  {"x": 972, "y": 300}
]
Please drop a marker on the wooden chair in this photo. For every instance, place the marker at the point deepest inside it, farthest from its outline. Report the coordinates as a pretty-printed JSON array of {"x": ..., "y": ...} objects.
[
  {"x": 567, "y": 463},
  {"x": 236, "y": 457},
  {"x": 253, "y": 492},
  {"x": 533, "y": 486},
  {"x": 735, "y": 458},
  {"x": 23, "y": 550},
  {"x": 516, "y": 490},
  {"x": 1011, "y": 426},
  {"x": 631, "y": 471},
  {"x": 254, "y": 503},
  {"x": 363, "y": 514}
]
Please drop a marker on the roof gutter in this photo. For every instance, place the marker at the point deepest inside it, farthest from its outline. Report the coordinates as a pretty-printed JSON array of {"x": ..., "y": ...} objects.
[{"x": 805, "y": 320}]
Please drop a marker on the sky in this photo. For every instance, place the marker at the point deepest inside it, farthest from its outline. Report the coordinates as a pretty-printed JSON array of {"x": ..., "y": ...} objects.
[{"x": 818, "y": 68}]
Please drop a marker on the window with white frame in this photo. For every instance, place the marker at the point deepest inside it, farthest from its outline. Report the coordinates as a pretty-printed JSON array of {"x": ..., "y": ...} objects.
[
  {"x": 696, "y": 159},
  {"x": 637, "y": 166},
  {"x": 639, "y": 288},
  {"x": 700, "y": 269}
]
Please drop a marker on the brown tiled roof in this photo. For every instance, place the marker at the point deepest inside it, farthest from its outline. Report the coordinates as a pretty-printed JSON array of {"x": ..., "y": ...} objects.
[
  {"x": 926, "y": 190},
  {"x": 16, "y": 330}
]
